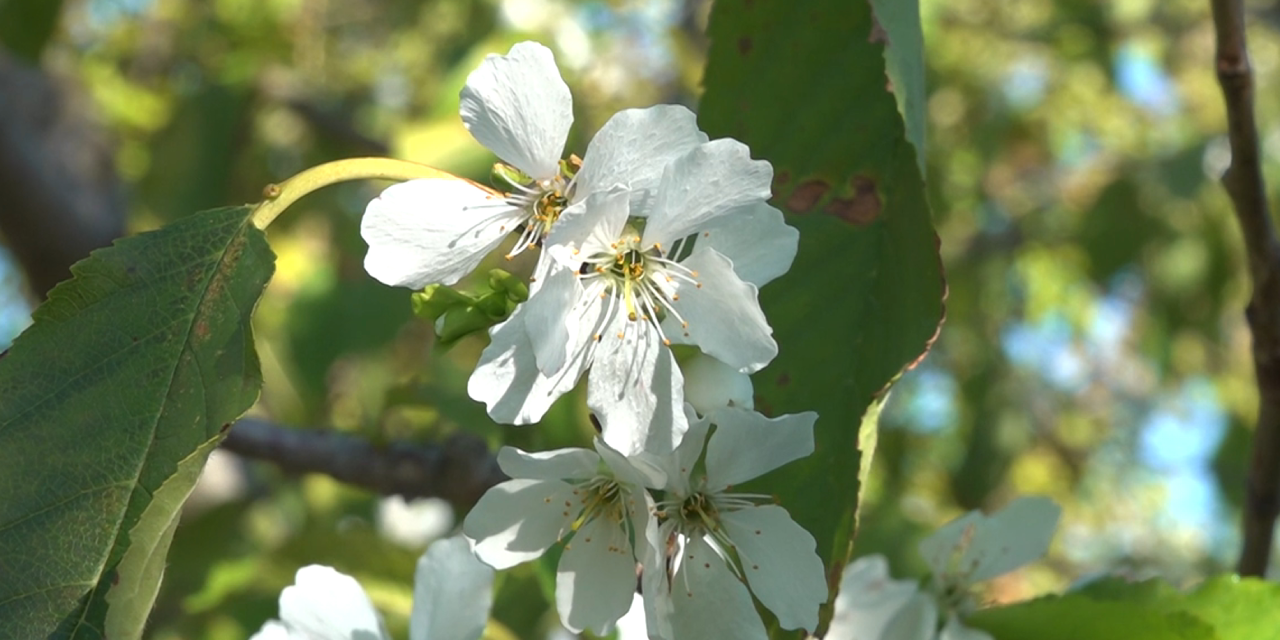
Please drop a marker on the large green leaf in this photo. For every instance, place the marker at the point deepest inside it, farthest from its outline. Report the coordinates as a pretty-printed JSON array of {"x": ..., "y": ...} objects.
[
  {"x": 132, "y": 367},
  {"x": 804, "y": 85},
  {"x": 1236, "y": 608},
  {"x": 1077, "y": 617},
  {"x": 27, "y": 25},
  {"x": 899, "y": 22},
  {"x": 1221, "y": 608}
]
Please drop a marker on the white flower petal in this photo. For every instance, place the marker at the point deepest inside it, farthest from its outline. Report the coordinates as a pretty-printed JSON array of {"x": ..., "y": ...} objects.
[
  {"x": 655, "y": 583},
  {"x": 941, "y": 548},
  {"x": 710, "y": 384},
  {"x": 518, "y": 106},
  {"x": 274, "y": 630},
  {"x": 724, "y": 316},
  {"x": 755, "y": 238},
  {"x": 707, "y": 181},
  {"x": 547, "y": 314},
  {"x": 634, "y": 147},
  {"x": 708, "y": 601},
  {"x": 430, "y": 231},
  {"x": 558, "y": 464},
  {"x": 747, "y": 445},
  {"x": 518, "y": 520},
  {"x": 589, "y": 226},
  {"x": 635, "y": 389},
  {"x": 452, "y": 593},
  {"x": 596, "y": 577},
  {"x": 624, "y": 470},
  {"x": 1011, "y": 537},
  {"x": 324, "y": 604},
  {"x": 779, "y": 561},
  {"x": 507, "y": 379},
  {"x": 868, "y": 599},
  {"x": 917, "y": 620},
  {"x": 954, "y": 630},
  {"x": 686, "y": 455}
]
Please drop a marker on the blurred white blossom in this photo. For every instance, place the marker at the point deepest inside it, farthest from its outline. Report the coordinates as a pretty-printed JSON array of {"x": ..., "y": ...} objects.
[
  {"x": 452, "y": 594},
  {"x": 965, "y": 551},
  {"x": 413, "y": 523}
]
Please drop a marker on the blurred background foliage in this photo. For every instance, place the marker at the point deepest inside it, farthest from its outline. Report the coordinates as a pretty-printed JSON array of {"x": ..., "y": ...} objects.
[{"x": 1094, "y": 349}]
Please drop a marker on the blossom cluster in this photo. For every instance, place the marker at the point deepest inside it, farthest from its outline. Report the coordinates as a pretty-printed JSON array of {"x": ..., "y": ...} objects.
[{"x": 657, "y": 236}]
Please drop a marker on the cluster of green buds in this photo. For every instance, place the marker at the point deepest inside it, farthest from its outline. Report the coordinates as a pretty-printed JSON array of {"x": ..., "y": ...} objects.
[{"x": 456, "y": 314}]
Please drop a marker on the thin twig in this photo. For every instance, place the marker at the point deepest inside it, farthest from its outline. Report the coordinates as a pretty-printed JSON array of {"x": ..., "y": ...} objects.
[
  {"x": 1243, "y": 181},
  {"x": 459, "y": 470}
]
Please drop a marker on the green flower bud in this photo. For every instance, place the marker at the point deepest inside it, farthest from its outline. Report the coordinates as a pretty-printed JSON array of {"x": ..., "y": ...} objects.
[
  {"x": 436, "y": 300},
  {"x": 514, "y": 287},
  {"x": 504, "y": 175}
]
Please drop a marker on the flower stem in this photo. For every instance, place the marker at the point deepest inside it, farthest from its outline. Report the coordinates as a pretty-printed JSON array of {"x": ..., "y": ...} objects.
[{"x": 280, "y": 196}]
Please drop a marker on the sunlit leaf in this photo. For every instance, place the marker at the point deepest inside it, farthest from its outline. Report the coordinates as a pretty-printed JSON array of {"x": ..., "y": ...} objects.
[
  {"x": 864, "y": 297},
  {"x": 130, "y": 368}
]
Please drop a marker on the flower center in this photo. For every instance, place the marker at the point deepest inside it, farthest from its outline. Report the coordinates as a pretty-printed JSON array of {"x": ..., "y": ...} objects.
[
  {"x": 543, "y": 200},
  {"x": 601, "y": 497},
  {"x": 640, "y": 280}
]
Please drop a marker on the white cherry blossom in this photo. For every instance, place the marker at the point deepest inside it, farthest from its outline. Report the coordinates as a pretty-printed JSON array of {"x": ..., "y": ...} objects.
[
  {"x": 693, "y": 587},
  {"x": 598, "y": 497},
  {"x": 452, "y": 594},
  {"x": 618, "y": 297},
  {"x": 438, "y": 230},
  {"x": 967, "y": 550}
]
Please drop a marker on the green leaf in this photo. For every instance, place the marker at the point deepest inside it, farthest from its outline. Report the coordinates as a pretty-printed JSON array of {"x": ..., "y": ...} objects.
[
  {"x": 864, "y": 297},
  {"x": 129, "y": 369},
  {"x": 1236, "y": 608},
  {"x": 130, "y": 599},
  {"x": 1222, "y": 608},
  {"x": 26, "y": 25},
  {"x": 899, "y": 22},
  {"x": 1077, "y": 616}
]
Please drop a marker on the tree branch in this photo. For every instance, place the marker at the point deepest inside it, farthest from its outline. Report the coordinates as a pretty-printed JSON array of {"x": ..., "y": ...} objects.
[
  {"x": 458, "y": 470},
  {"x": 1243, "y": 182}
]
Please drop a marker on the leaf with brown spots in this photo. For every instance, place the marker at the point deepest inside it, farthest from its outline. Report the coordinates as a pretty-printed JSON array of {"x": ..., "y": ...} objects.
[
  {"x": 864, "y": 297},
  {"x": 112, "y": 398}
]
